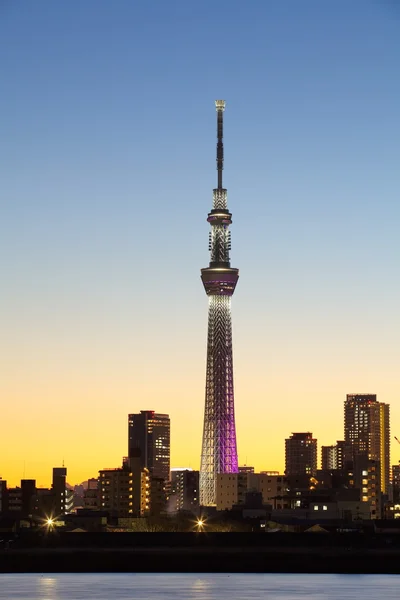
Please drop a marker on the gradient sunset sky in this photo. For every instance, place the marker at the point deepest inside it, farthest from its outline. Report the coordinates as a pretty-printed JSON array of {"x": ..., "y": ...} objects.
[{"x": 107, "y": 164}]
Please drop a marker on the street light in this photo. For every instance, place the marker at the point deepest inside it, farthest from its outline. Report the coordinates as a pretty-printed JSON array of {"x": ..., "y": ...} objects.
[
  {"x": 200, "y": 524},
  {"x": 49, "y": 522}
]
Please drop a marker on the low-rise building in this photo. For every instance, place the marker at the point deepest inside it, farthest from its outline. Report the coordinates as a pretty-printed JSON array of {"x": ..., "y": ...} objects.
[
  {"x": 322, "y": 510},
  {"x": 21, "y": 499},
  {"x": 91, "y": 496},
  {"x": 125, "y": 492},
  {"x": 273, "y": 487},
  {"x": 233, "y": 487},
  {"x": 246, "y": 469},
  {"x": 396, "y": 483},
  {"x": 45, "y": 504},
  {"x": 367, "y": 478},
  {"x": 158, "y": 497},
  {"x": 14, "y": 499},
  {"x": 3, "y": 495}
]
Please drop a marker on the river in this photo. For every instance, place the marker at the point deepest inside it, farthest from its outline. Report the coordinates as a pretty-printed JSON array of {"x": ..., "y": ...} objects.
[{"x": 198, "y": 587}]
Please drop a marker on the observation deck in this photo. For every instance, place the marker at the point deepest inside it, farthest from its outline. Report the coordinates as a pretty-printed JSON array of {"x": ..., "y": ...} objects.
[{"x": 219, "y": 281}]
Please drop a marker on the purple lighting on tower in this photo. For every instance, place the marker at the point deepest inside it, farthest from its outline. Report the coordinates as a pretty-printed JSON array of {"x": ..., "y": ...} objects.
[{"x": 219, "y": 453}]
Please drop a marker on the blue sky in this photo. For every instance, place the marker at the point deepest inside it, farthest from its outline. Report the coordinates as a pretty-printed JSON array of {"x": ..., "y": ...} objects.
[{"x": 107, "y": 165}]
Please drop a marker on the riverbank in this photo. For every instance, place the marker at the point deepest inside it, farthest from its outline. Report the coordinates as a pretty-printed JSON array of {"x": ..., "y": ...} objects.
[{"x": 321, "y": 554}]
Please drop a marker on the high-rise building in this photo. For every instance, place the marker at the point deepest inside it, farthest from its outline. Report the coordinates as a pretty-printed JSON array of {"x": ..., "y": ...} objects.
[
  {"x": 219, "y": 451},
  {"x": 332, "y": 457},
  {"x": 367, "y": 432},
  {"x": 384, "y": 445},
  {"x": 301, "y": 454},
  {"x": 59, "y": 488},
  {"x": 28, "y": 493},
  {"x": 184, "y": 490},
  {"x": 149, "y": 432}
]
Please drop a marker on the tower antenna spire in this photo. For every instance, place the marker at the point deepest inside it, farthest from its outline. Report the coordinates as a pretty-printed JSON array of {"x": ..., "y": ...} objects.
[{"x": 220, "y": 106}]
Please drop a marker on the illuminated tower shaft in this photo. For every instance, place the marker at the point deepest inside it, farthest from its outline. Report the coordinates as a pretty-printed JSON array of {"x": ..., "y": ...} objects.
[{"x": 219, "y": 452}]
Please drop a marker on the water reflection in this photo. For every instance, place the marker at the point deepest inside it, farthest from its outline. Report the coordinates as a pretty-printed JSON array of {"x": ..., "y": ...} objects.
[
  {"x": 47, "y": 587},
  {"x": 93, "y": 586},
  {"x": 201, "y": 588}
]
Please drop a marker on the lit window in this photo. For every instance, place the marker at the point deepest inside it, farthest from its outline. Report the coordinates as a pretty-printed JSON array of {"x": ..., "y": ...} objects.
[
  {"x": 324, "y": 507},
  {"x": 315, "y": 507}
]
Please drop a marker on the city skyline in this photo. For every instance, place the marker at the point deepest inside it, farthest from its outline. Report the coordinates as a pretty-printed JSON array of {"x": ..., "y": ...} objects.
[
  {"x": 108, "y": 158},
  {"x": 158, "y": 448}
]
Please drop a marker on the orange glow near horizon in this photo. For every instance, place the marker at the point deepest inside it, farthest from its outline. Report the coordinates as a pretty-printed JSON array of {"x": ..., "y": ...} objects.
[{"x": 81, "y": 417}]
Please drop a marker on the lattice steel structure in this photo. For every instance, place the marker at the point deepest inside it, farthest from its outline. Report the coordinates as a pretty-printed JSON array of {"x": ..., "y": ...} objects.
[{"x": 219, "y": 453}]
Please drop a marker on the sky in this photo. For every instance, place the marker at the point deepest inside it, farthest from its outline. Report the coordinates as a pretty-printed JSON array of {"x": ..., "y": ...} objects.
[{"x": 107, "y": 165}]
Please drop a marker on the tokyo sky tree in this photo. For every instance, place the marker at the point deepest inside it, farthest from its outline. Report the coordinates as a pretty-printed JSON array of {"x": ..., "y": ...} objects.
[{"x": 219, "y": 453}]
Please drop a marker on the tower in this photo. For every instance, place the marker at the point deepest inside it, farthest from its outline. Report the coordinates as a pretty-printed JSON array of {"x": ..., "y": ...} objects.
[{"x": 219, "y": 453}]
